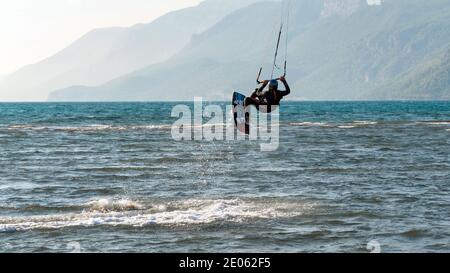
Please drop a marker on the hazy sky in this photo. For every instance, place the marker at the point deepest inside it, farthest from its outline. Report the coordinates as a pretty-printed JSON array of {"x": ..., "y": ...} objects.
[{"x": 34, "y": 29}]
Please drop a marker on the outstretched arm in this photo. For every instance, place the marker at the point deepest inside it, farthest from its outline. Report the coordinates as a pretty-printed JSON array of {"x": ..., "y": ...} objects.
[
  {"x": 261, "y": 89},
  {"x": 286, "y": 85}
]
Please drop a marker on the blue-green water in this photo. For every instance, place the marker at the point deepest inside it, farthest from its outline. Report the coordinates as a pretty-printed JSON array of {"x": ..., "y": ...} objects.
[{"x": 109, "y": 177}]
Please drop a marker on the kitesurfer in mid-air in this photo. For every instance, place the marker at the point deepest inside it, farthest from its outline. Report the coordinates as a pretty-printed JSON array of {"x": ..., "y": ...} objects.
[{"x": 273, "y": 96}]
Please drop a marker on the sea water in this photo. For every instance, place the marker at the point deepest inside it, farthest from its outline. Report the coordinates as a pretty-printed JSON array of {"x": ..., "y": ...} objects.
[{"x": 108, "y": 177}]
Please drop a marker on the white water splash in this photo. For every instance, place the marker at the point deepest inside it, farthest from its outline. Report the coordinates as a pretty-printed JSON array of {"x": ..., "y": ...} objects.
[
  {"x": 108, "y": 205},
  {"x": 132, "y": 214}
]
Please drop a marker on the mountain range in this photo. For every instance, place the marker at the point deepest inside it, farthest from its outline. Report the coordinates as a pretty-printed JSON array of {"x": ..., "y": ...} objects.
[
  {"x": 104, "y": 54},
  {"x": 336, "y": 49}
]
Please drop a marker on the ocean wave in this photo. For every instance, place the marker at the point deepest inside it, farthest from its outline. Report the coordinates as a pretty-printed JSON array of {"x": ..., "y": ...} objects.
[
  {"x": 437, "y": 122},
  {"x": 87, "y": 128},
  {"x": 414, "y": 233},
  {"x": 365, "y": 122},
  {"x": 108, "y": 205},
  {"x": 148, "y": 127},
  {"x": 214, "y": 125},
  {"x": 354, "y": 124},
  {"x": 309, "y": 124},
  {"x": 102, "y": 127},
  {"x": 185, "y": 212}
]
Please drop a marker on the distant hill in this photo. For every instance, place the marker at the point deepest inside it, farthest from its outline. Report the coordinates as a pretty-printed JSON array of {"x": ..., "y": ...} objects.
[
  {"x": 104, "y": 54},
  {"x": 430, "y": 80},
  {"x": 338, "y": 50}
]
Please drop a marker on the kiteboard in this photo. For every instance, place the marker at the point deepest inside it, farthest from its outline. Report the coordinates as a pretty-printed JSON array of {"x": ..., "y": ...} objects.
[{"x": 241, "y": 119}]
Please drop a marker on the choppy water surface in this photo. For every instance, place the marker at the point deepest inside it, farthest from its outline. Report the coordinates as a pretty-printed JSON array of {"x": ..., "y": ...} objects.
[{"x": 109, "y": 177}]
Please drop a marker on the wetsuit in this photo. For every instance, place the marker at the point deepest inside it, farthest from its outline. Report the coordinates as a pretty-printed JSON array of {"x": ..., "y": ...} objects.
[{"x": 259, "y": 97}]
